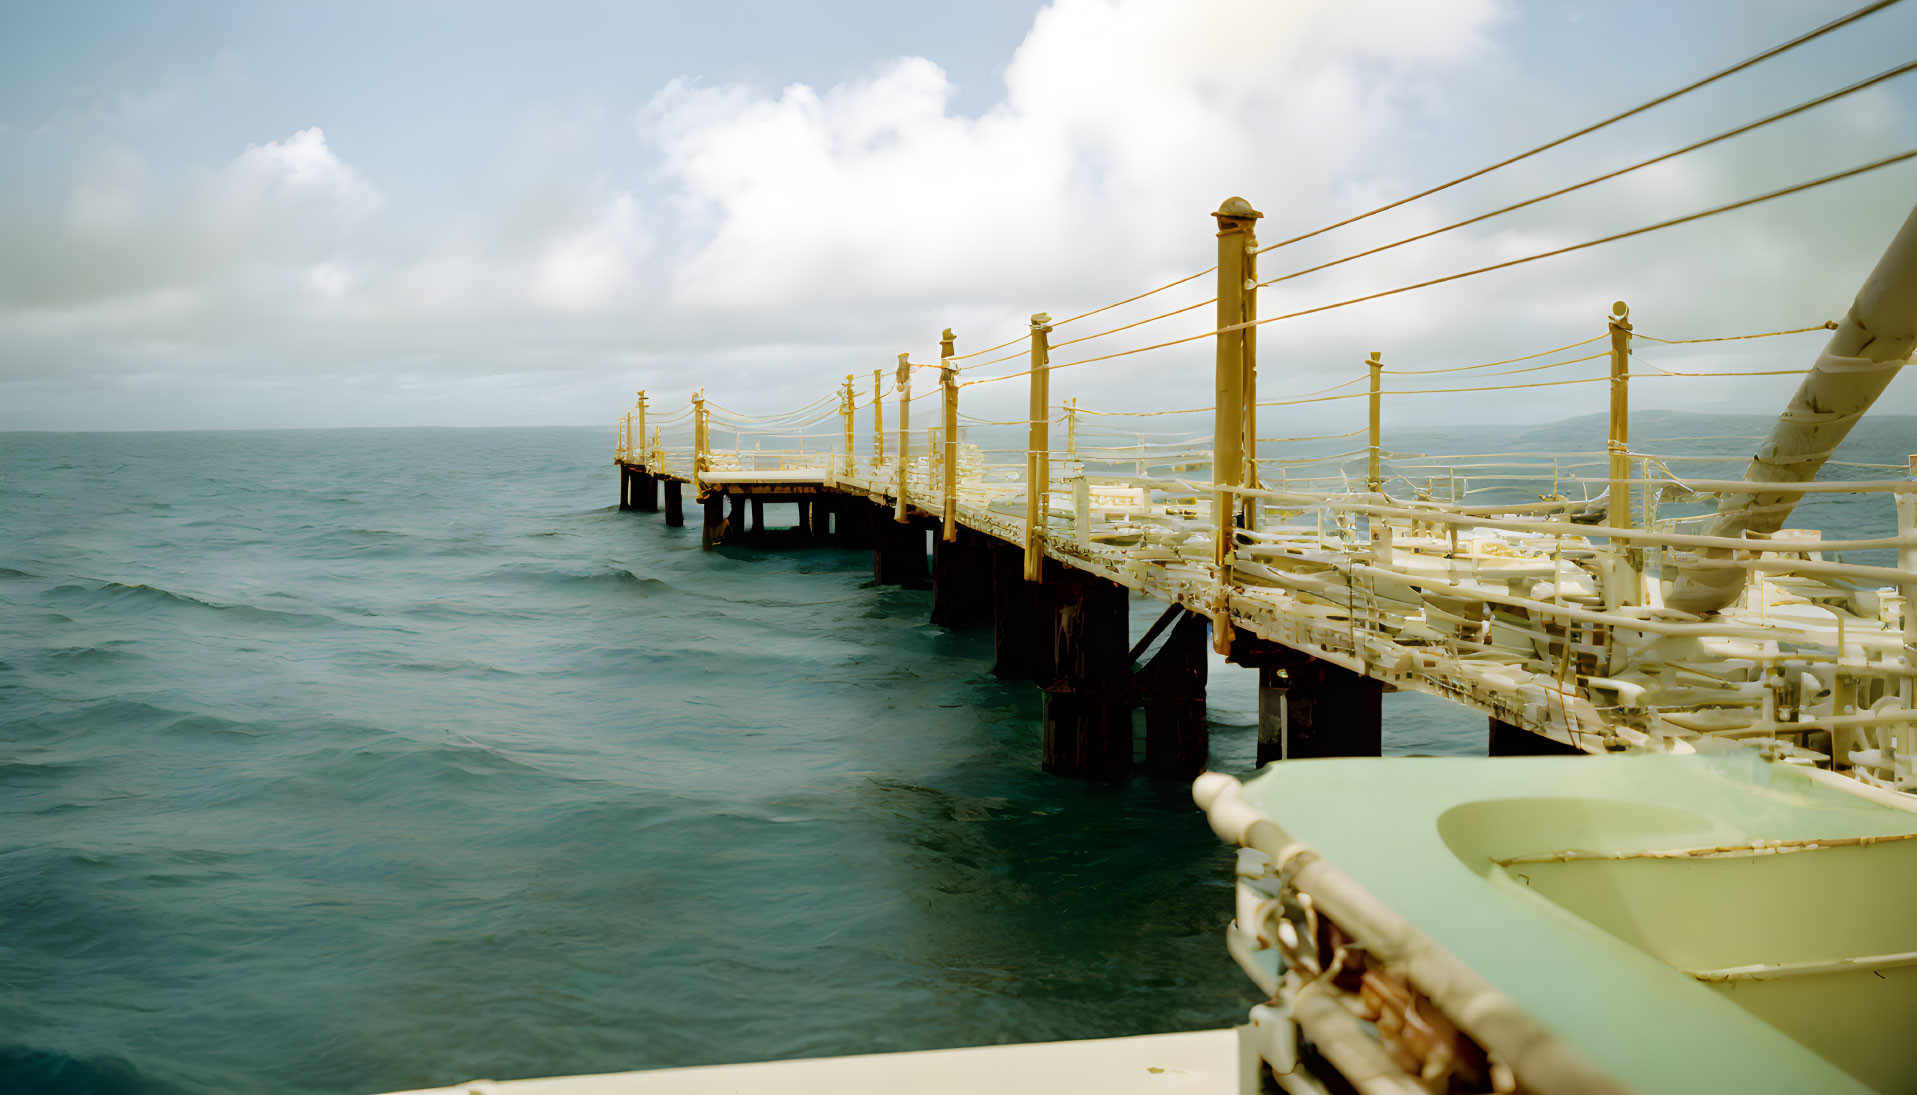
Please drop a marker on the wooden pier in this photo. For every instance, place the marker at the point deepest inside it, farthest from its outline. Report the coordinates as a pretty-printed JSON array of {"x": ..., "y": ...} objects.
[{"x": 1340, "y": 577}]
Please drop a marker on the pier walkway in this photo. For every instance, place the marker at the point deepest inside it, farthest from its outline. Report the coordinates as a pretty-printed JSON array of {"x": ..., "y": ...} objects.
[{"x": 1557, "y": 592}]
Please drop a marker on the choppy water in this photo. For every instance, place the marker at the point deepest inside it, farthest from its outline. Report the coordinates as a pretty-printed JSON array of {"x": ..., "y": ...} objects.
[{"x": 344, "y": 761}]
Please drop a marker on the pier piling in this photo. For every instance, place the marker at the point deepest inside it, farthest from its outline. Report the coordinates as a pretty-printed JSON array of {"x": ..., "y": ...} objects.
[
  {"x": 961, "y": 581},
  {"x": 1088, "y": 712},
  {"x": 714, "y": 528},
  {"x": 1017, "y": 650},
  {"x": 732, "y": 529},
  {"x": 898, "y": 553},
  {"x": 675, "y": 504},
  {"x": 1172, "y": 689}
]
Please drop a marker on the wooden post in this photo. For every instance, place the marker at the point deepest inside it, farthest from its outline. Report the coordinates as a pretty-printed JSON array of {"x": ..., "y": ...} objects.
[
  {"x": 1619, "y": 515},
  {"x": 675, "y": 505},
  {"x": 1234, "y": 365},
  {"x": 1081, "y": 486},
  {"x": 1374, "y": 476},
  {"x": 699, "y": 439},
  {"x": 1273, "y": 690},
  {"x": 1016, "y": 616},
  {"x": 642, "y": 430},
  {"x": 948, "y": 383},
  {"x": 758, "y": 517},
  {"x": 735, "y": 524},
  {"x": 904, "y": 386},
  {"x": 1329, "y": 711},
  {"x": 1038, "y": 461},
  {"x": 846, "y": 406},
  {"x": 1177, "y": 737},
  {"x": 1249, "y": 349},
  {"x": 1622, "y": 586},
  {"x": 878, "y": 420},
  {"x": 1087, "y": 715},
  {"x": 625, "y": 487},
  {"x": 713, "y": 529}
]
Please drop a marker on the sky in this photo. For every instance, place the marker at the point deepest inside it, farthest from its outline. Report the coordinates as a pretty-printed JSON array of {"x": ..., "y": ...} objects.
[{"x": 242, "y": 215}]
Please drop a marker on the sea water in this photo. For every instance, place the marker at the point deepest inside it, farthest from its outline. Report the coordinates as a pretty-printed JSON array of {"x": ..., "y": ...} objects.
[{"x": 353, "y": 760}]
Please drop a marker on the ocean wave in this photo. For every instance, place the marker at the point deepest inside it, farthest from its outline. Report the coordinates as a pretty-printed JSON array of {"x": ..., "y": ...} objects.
[
  {"x": 9, "y": 572},
  {"x": 20, "y": 773},
  {"x": 34, "y": 1070},
  {"x": 615, "y": 577},
  {"x": 141, "y": 594},
  {"x": 457, "y": 665},
  {"x": 102, "y": 654},
  {"x": 210, "y": 724}
]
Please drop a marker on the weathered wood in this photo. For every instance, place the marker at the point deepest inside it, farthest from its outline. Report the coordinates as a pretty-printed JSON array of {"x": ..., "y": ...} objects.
[
  {"x": 804, "y": 506},
  {"x": 1015, "y": 617},
  {"x": 1506, "y": 740},
  {"x": 1317, "y": 709},
  {"x": 734, "y": 527},
  {"x": 1088, "y": 711},
  {"x": 1273, "y": 687},
  {"x": 853, "y": 522},
  {"x": 713, "y": 530},
  {"x": 675, "y": 504},
  {"x": 758, "y": 517},
  {"x": 898, "y": 554},
  {"x": 648, "y": 487},
  {"x": 625, "y": 487},
  {"x": 961, "y": 582},
  {"x": 1172, "y": 686}
]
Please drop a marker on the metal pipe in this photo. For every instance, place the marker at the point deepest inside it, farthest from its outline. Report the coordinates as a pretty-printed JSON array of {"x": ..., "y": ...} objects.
[{"x": 1869, "y": 347}]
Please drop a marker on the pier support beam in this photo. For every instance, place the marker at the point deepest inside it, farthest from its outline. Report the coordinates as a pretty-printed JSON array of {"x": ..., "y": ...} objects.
[
  {"x": 898, "y": 554},
  {"x": 1020, "y": 650},
  {"x": 675, "y": 504},
  {"x": 853, "y": 525},
  {"x": 647, "y": 487},
  {"x": 734, "y": 526},
  {"x": 804, "y": 507},
  {"x": 1308, "y": 707},
  {"x": 961, "y": 581},
  {"x": 1507, "y": 740},
  {"x": 758, "y": 517},
  {"x": 1088, "y": 711},
  {"x": 713, "y": 531},
  {"x": 1172, "y": 686}
]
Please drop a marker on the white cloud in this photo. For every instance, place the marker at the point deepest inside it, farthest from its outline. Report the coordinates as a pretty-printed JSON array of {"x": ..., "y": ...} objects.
[{"x": 773, "y": 239}]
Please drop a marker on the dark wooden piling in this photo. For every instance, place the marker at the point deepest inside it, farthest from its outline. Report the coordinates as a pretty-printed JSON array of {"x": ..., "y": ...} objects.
[
  {"x": 1088, "y": 711},
  {"x": 961, "y": 582},
  {"x": 647, "y": 485},
  {"x": 898, "y": 553},
  {"x": 675, "y": 504},
  {"x": 803, "y": 504},
  {"x": 713, "y": 530},
  {"x": 735, "y": 523},
  {"x": 625, "y": 487},
  {"x": 1308, "y": 707},
  {"x": 855, "y": 521},
  {"x": 758, "y": 517},
  {"x": 1015, "y": 618},
  {"x": 1172, "y": 689}
]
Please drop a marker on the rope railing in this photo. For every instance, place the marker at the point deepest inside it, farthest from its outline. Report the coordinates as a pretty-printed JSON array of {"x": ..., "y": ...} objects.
[
  {"x": 1781, "y": 48},
  {"x": 1788, "y": 112}
]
